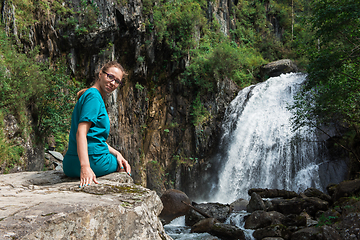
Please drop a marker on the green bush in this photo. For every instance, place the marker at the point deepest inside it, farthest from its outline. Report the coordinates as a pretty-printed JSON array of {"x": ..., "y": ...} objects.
[
  {"x": 199, "y": 113},
  {"x": 224, "y": 60},
  {"x": 176, "y": 23},
  {"x": 28, "y": 86},
  {"x": 10, "y": 151}
]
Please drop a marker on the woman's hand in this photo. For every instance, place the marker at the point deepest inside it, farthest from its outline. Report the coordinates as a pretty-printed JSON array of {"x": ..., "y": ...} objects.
[
  {"x": 124, "y": 166},
  {"x": 87, "y": 176}
]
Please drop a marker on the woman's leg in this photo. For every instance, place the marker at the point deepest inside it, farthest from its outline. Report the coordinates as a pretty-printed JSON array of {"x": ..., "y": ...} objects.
[
  {"x": 71, "y": 165},
  {"x": 103, "y": 164}
]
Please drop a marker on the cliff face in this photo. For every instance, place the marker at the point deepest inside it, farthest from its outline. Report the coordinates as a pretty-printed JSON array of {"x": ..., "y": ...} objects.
[{"x": 151, "y": 122}]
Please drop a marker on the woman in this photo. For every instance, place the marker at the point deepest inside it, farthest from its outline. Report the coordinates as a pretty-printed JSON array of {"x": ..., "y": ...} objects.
[{"x": 88, "y": 154}]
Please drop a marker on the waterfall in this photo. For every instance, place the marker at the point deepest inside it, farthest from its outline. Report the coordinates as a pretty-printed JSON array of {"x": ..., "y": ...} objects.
[{"x": 259, "y": 149}]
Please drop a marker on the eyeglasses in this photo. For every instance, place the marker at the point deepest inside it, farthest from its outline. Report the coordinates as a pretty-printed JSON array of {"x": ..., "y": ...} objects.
[{"x": 113, "y": 78}]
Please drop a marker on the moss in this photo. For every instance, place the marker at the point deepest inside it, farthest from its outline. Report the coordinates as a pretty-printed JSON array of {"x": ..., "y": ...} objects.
[{"x": 108, "y": 189}]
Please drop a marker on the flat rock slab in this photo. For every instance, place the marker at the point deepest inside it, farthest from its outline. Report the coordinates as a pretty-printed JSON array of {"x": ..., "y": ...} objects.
[{"x": 49, "y": 205}]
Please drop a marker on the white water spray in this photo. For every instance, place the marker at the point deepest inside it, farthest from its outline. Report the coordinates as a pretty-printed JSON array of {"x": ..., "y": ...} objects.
[{"x": 260, "y": 149}]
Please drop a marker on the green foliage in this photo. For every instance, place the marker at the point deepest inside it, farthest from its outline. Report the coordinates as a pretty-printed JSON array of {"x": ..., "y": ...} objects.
[
  {"x": 83, "y": 21},
  {"x": 323, "y": 220},
  {"x": 54, "y": 107},
  {"x": 220, "y": 61},
  {"x": 182, "y": 160},
  {"x": 257, "y": 21},
  {"x": 139, "y": 87},
  {"x": 20, "y": 77},
  {"x": 332, "y": 93},
  {"x": 176, "y": 23},
  {"x": 47, "y": 91},
  {"x": 199, "y": 113},
  {"x": 10, "y": 151}
]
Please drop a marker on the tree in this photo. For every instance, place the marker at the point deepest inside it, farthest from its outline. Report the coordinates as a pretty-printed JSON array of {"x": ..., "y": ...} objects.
[{"x": 332, "y": 93}]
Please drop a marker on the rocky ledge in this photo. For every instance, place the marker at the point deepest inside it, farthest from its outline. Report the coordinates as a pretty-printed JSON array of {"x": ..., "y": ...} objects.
[{"x": 48, "y": 205}]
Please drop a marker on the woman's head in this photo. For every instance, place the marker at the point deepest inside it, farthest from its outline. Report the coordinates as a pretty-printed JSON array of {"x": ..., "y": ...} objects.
[
  {"x": 110, "y": 77},
  {"x": 113, "y": 64}
]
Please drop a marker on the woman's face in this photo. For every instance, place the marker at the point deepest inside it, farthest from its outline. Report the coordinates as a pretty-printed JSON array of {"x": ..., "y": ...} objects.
[{"x": 110, "y": 79}]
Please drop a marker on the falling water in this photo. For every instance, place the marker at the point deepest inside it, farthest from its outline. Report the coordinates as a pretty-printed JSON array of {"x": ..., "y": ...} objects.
[{"x": 259, "y": 150}]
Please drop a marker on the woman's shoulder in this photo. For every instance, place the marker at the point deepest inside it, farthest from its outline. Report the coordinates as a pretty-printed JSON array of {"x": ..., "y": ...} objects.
[{"x": 91, "y": 93}]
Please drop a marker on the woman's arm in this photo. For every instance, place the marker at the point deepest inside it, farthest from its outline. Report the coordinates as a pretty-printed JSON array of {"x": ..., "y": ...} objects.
[
  {"x": 123, "y": 164},
  {"x": 87, "y": 176}
]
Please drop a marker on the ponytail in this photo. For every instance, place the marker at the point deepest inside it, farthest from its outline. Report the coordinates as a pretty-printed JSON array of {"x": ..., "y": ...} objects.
[{"x": 80, "y": 93}]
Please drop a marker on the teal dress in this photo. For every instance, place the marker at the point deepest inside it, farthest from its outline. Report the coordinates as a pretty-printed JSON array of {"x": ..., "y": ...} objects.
[{"x": 90, "y": 108}]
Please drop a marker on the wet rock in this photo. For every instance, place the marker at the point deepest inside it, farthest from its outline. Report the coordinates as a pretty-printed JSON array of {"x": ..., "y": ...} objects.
[
  {"x": 272, "y": 231},
  {"x": 214, "y": 227},
  {"x": 313, "y": 204},
  {"x": 346, "y": 189},
  {"x": 49, "y": 205},
  {"x": 204, "y": 225},
  {"x": 313, "y": 192},
  {"x": 255, "y": 203},
  {"x": 276, "y": 68},
  {"x": 350, "y": 226},
  {"x": 193, "y": 217},
  {"x": 261, "y": 219},
  {"x": 239, "y": 205},
  {"x": 273, "y": 193},
  {"x": 288, "y": 206},
  {"x": 226, "y": 231},
  {"x": 314, "y": 233},
  {"x": 174, "y": 207},
  {"x": 215, "y": 210},
  {"x": 294, "y": 220},
  {"x": 309, "y": 221},
  {"x": 331, "y": 189},
  {"x": 273, "y": 238}
]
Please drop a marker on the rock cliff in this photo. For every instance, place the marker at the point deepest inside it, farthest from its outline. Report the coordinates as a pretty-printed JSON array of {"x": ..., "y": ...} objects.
[
  {"x": 151, "y": 122},
  {"x": 48, "y": 205}
]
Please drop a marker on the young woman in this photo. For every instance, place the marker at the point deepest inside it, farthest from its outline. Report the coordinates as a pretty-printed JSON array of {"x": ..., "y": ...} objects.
[{"x": 89, "y": 155}]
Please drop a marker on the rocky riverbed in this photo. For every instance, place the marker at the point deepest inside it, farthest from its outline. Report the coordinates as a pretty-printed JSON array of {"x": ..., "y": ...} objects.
[{"x": 273, "y": 214}]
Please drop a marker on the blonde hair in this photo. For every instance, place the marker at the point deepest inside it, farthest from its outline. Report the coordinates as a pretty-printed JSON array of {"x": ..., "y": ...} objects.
[{"x": 80, "y": 93}]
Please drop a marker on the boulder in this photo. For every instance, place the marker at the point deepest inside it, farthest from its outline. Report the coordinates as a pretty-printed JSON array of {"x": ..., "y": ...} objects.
[
  {"x": 193, "y": 217},
  {"x": 294, "y": 220},
  {"x": 227, "y": 231},
  {"x": 313, "y": 192},
  {"x": 222, "y": 230},
  {"x": 273, "y": 193},
  {"x": 255, "y": 203},
  {"x": 204, "y": 225},
  {"x": 49, "y": 205},
  {"x": 261, "y": 219},
  {"x": 239, "y": 205},
  {"x": 346, "y": 189},
  {"x": 313, "y": 204},
  {"x": 272, "y": 231},
  {"x": 176, "y": 203},
  {"x": 276, "y": 68},
  {"x": 288, "y": 206},
  {"x": 215, "y": 210},
  {"x": 316, "y": 233}
]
